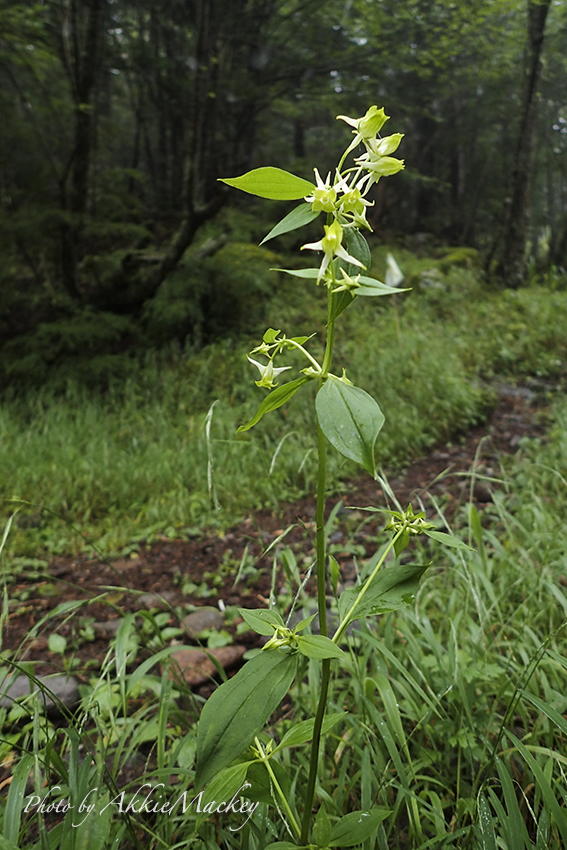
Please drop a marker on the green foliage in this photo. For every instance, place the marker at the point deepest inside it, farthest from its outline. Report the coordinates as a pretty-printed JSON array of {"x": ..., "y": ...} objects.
[
  {"x": 84, "y": 346},
  {"x": 351, "y": 421},
  {"x": 208, "y": 298}
]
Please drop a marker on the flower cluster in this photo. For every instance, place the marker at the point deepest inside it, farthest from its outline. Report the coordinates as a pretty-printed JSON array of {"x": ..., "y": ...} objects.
[{"x": 344, "y": 198}]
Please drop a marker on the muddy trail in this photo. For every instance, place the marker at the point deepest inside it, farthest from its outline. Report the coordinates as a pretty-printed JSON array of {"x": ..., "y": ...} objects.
[{"x": 220, "y": 571}]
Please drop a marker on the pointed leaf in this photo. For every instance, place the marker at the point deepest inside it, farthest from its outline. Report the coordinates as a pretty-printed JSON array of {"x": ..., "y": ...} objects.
[
  {"x": 271, "y": 183},
  {"x": 350, "y": 419},
  {"x": 238, "y": 709},
  {"x": 308, "y": 274},
  {"x": 262, "y": 784},
  {"x": 356, "y": 827},
  {"x": 369, "y": 288},
  {"x": 321, "y": 828},
  {"x": 274, "y": 400},
  {"x": 341, "y": 300},
  {"x": 318, "y": 646},
  {"x": 390, "y": 589},
  {"x": 302, "y": 732},
  {"x": 300, "y": 216},
  {"x": 357, "y": 247},
  {"x": 261, "y": 620},
  {"x": 448, "y": 540}
]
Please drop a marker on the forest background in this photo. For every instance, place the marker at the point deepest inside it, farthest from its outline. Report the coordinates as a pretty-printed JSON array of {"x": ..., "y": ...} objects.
[
  {"x": 132, "y": 284},
  {"x": 118, "y": 118}
]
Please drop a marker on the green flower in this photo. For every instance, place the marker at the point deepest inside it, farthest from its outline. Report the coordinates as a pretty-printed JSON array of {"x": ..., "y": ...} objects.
[
  {"x": 324, "y": 196},
  {"x": 366, "y": 127},
  {"x": 331, "y": 245},
  {"x": 267, "y": 372}
]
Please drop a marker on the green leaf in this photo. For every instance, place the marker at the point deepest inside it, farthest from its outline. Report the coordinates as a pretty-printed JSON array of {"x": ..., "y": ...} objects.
[
  {"x": 448, "y": 540},
  {"x": 15, "y": 802},
  {"x": 298, "y": 217},
  {"x": 401, "y": 542},
  {"x": 271, "y": 335},
  {"x": 226, "y": 783},
  {"x": 335, "y": 573},
  {"x": 261, "y": 781},
  {"x": 238, "y": 709},
  {"x": 275, "y": 399},
  {"x": 392, "y": 588},
  {"x": 322, "y": 828},
  {"x": 318, "y": 646},
  {"x": 286, "y": 845},
  {"x": 340, "y": 301},
  {"x": 302, "y": 732},
  {"x": 304, "y": 623},
  {"x": 356, "y": 827},
  {"x": 357, "y": 247},
  {"x": 350, "y": 420},
  {"x": 261, "y": 620},
  {"x": 273, "y": 183},
  {"x": 308, "y": 274},
  {"x": 370, "y": 288},
  {"x": 57, "y": 643}
]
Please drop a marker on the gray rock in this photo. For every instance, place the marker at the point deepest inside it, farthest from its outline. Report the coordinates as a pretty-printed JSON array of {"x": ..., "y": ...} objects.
[
  {"x": 203, "y": 618},
  {"x": 107, "y": 628},
  {"x": 64, "y": 688},
  {"x": 195, "y": 666},
  {"x": 156, "y": 600}
]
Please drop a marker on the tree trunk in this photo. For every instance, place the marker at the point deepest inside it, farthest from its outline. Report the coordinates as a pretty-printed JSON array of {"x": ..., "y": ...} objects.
[
  {"x": 512, "y": 266},
  {"x": 81, "y": 53}
]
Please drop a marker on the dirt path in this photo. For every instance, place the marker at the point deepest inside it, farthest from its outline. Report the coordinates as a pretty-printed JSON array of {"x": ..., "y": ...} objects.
[{"x": 202, "y": 571}]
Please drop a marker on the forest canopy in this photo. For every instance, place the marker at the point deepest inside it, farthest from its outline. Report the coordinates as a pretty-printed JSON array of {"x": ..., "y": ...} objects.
[{"x": 119, "y": 118}]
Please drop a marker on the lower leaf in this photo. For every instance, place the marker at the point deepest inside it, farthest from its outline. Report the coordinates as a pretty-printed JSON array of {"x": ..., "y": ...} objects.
[{"x": 238, "y": 709}]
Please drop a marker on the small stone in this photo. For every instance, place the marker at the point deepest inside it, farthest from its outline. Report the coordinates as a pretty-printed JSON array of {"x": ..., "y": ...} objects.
[
  {"x": 196, "y": 667},
  {"x": 481, "y": 493},
  {"x": 108, "y": 628},
  {"x": 156, "y": 600},
  {"x": 64, "y": 688},
  {"x": 204, "y": 618}
]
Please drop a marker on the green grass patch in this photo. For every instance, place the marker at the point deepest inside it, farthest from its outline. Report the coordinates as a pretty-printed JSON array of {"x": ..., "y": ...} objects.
[{"x": 135, "y": 461}]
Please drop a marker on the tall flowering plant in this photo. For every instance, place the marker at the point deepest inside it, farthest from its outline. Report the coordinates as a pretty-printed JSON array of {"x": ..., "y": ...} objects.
[{"x": 228, "y": 746}]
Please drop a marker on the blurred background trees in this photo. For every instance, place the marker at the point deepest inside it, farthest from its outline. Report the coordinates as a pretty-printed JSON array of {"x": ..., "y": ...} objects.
[{"x": 118, "y": 117}]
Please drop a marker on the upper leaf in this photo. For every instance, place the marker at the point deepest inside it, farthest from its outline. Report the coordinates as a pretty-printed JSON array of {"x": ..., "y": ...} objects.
[
  {"x": 273, "y": 183},
  {"x": 447, "y": 539},
  {"x": 357, "y": 247},
  {"x": 261, "y": 620},
  {"x": 370, "y": 288},
  {"x": 301, "y": 215},
  {"x": 350, "y": 419},
  {"x": 308, "y": 274},
  {"x": 238, "y": 709}
]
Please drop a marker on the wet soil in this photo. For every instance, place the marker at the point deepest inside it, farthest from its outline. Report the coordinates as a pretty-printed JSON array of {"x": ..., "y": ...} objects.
[{"x": 235, "y": 568}]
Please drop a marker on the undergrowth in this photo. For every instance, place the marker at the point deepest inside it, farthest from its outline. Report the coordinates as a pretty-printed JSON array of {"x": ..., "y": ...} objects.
[
  {"x": 455, "y": 707},
  {"x": 125, "y": 465}
]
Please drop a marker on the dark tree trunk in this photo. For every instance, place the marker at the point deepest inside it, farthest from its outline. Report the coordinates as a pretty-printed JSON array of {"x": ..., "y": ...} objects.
[
  {"x": 512, "y": 265},
  {"x": 81, "y": 52}
]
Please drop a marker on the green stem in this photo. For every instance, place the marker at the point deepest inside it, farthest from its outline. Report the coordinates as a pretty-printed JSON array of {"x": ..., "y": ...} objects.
[
  {"x": 321, "y": 597},
  {"x": 294, "y": 344},
  {"x": 349, "y": 615},
  {"x": 266, "y": 760}
]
